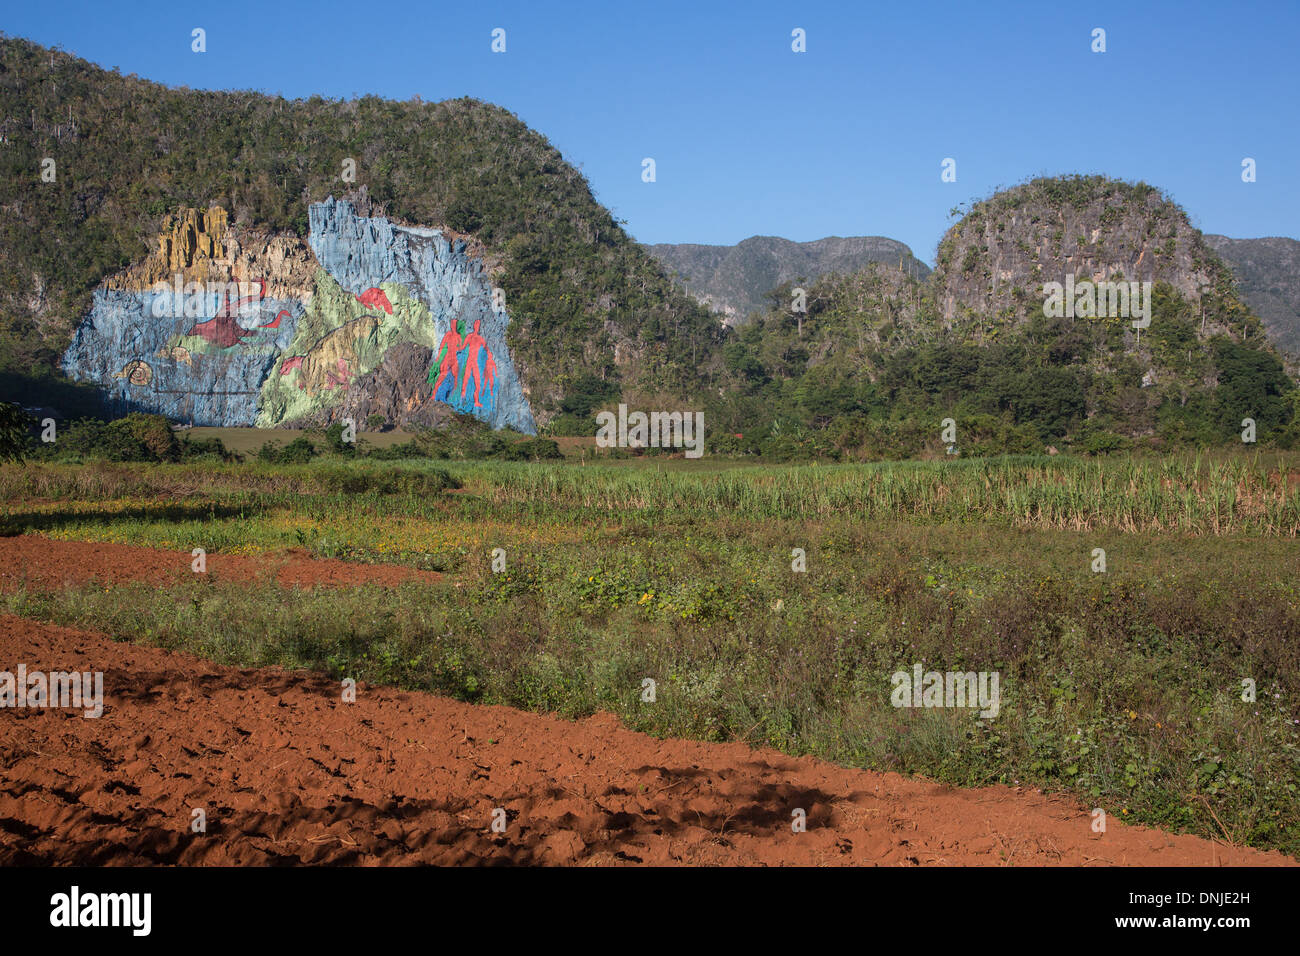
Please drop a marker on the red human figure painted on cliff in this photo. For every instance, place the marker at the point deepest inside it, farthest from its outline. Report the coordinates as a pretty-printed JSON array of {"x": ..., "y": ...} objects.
[
  {"x": 448, "y": 348},
  {"x": 473, "y": 343}
]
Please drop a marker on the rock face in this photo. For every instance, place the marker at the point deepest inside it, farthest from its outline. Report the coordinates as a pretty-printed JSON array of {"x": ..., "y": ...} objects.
[
  {"x": 397, "y": 390},
  {"x": 217, "y": 327},
  {"x": 992, "y": 265},
  {"x": 1268, "y": 274},
  {"x": 465, "y": 327}
]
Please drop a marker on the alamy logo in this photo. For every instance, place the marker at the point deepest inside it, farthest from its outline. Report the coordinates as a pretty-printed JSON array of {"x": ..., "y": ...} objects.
[
  {"x": 655, "y": 430},
  {"x": 923, "y": 688},
  {"x": 1098, "y": 300},
  {"x": 75, "y": 909},
  {"x": 205, "y": 300},
  {"x": 63, "y": 689}
]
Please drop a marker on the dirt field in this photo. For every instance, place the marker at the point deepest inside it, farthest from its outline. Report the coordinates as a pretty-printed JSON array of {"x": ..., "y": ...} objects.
[
  {"x": 288, "y": 773},
  {"x": 47, "y": 564}
]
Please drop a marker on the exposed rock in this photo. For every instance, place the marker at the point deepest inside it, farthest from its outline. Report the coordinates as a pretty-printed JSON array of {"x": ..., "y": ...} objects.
[
  {"x": 993, "y": 263},
  {"x": 196, "y": 245},
  {"x": 444, "y": 276},
  {"x": 148, "y": 360},
  {"x": 397, "y": 390}
]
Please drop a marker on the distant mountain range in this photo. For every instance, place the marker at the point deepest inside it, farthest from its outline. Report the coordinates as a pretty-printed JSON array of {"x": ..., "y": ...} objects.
[
  {"x": 734, "y": 280},
  {"x": 1268, "y": 274}
]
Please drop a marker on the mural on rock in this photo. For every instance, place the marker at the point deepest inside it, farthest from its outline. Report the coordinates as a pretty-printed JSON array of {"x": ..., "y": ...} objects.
[
  {"x": 226, "y": 327},
  {"x": 461, "y": 359},
  {"x": 192, "y": 331}
]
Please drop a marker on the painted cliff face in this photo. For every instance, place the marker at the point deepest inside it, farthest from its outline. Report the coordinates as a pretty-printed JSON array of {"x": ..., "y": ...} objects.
[
  {"x": 225, "y": 329},
  {"x": 464, "y": 360}
]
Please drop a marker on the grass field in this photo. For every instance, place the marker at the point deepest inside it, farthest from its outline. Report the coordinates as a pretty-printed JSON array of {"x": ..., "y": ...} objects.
[{"x": 1123, "y": 687}]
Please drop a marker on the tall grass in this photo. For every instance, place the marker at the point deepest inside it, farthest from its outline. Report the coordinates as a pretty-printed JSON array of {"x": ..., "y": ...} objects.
[
  {"x": 99, "y": 481},
  {"x": 1197, "y": 496},
  {"x": 1194, "y": 495}
]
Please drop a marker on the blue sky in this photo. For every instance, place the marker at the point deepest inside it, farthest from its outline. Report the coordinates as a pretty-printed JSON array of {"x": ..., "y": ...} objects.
[{"x": 750, "y": 138}]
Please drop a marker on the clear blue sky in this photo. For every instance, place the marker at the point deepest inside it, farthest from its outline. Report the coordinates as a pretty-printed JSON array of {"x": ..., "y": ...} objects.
[{"x": 751, "y": 138}]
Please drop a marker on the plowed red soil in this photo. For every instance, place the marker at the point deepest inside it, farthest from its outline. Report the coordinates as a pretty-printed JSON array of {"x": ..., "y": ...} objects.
[
  {"x": 46, "y": 564},
  {"x": 288, "y": 773}
]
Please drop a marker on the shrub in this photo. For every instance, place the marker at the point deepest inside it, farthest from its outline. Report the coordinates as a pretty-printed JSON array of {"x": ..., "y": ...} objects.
[
  {"x": 1099, "y": 441},
  {"x": 137, "y": 437},
  {"x": 298, "y": 452},
  {"x": 398, "y": 452},
  {"x": 199, "y": 449},
  {"x": 334, "y": 437},
  {"x": 14, "y": 426},
  {"x": 153, "y": 432},
  {"x": 534, "y": 449}
]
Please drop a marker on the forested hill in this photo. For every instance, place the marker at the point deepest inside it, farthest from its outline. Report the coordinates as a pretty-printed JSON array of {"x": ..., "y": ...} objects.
[
  {"x": 1268, "y": 274},
  {"x": 593, "y": 315},
  {"x": 102, "y": 173},
  {"x": 879, "y": 358}
]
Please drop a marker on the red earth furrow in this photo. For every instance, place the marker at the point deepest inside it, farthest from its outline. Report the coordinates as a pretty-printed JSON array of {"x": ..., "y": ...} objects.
[
  {"x": 47, "y": 564},
  {"x": 286, "y": 772}
]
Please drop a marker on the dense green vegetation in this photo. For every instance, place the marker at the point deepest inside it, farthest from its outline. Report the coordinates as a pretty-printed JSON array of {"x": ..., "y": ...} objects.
[
  {"x": 139, "y": 437},
  {"x": 128, "y": 151},
  {"x": 14, "y": 427},
  {"x": 136, "y": 437},
  {"x": 1122, "y": 689},
  {"x": 860, "y": 376},
  {"x": 869, "y": 371}
]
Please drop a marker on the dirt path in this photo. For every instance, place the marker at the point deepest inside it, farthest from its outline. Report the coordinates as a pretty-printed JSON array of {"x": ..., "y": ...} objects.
[
  {"x": 46, "y": 564},
  {"x": 287, "y": 773}
]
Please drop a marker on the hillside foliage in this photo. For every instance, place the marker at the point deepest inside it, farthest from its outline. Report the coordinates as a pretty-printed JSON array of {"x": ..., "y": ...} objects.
[
  {"x": 127, "y": 151},
  {"x": 870, "y": 369}
]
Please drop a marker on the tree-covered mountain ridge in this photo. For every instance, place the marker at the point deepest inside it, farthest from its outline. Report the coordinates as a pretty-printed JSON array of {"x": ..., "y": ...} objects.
[
  {"x": 734, "y": 280},
  {"x": 877, "y": 357},
  {"x": 865, "y": 364},
  {"x": 587, "y": 304}
]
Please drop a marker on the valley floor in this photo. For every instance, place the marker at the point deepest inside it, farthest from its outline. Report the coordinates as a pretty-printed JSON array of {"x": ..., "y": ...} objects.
[{"x": 1141, "y": 617}]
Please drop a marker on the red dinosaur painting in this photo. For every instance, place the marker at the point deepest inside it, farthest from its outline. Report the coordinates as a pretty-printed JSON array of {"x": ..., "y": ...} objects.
[
  {"x": 223, "y": 331},
  {"x": 375, "y": 298}
]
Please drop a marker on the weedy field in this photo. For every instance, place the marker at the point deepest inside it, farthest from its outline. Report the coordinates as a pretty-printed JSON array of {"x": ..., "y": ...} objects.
[{"x": 1123, "y": 687}]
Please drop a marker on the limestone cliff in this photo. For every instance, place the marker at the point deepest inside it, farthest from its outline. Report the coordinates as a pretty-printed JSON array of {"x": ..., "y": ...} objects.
[
  {"x": 461, "y": 320},
  {"x": 993, "y": 263}
]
